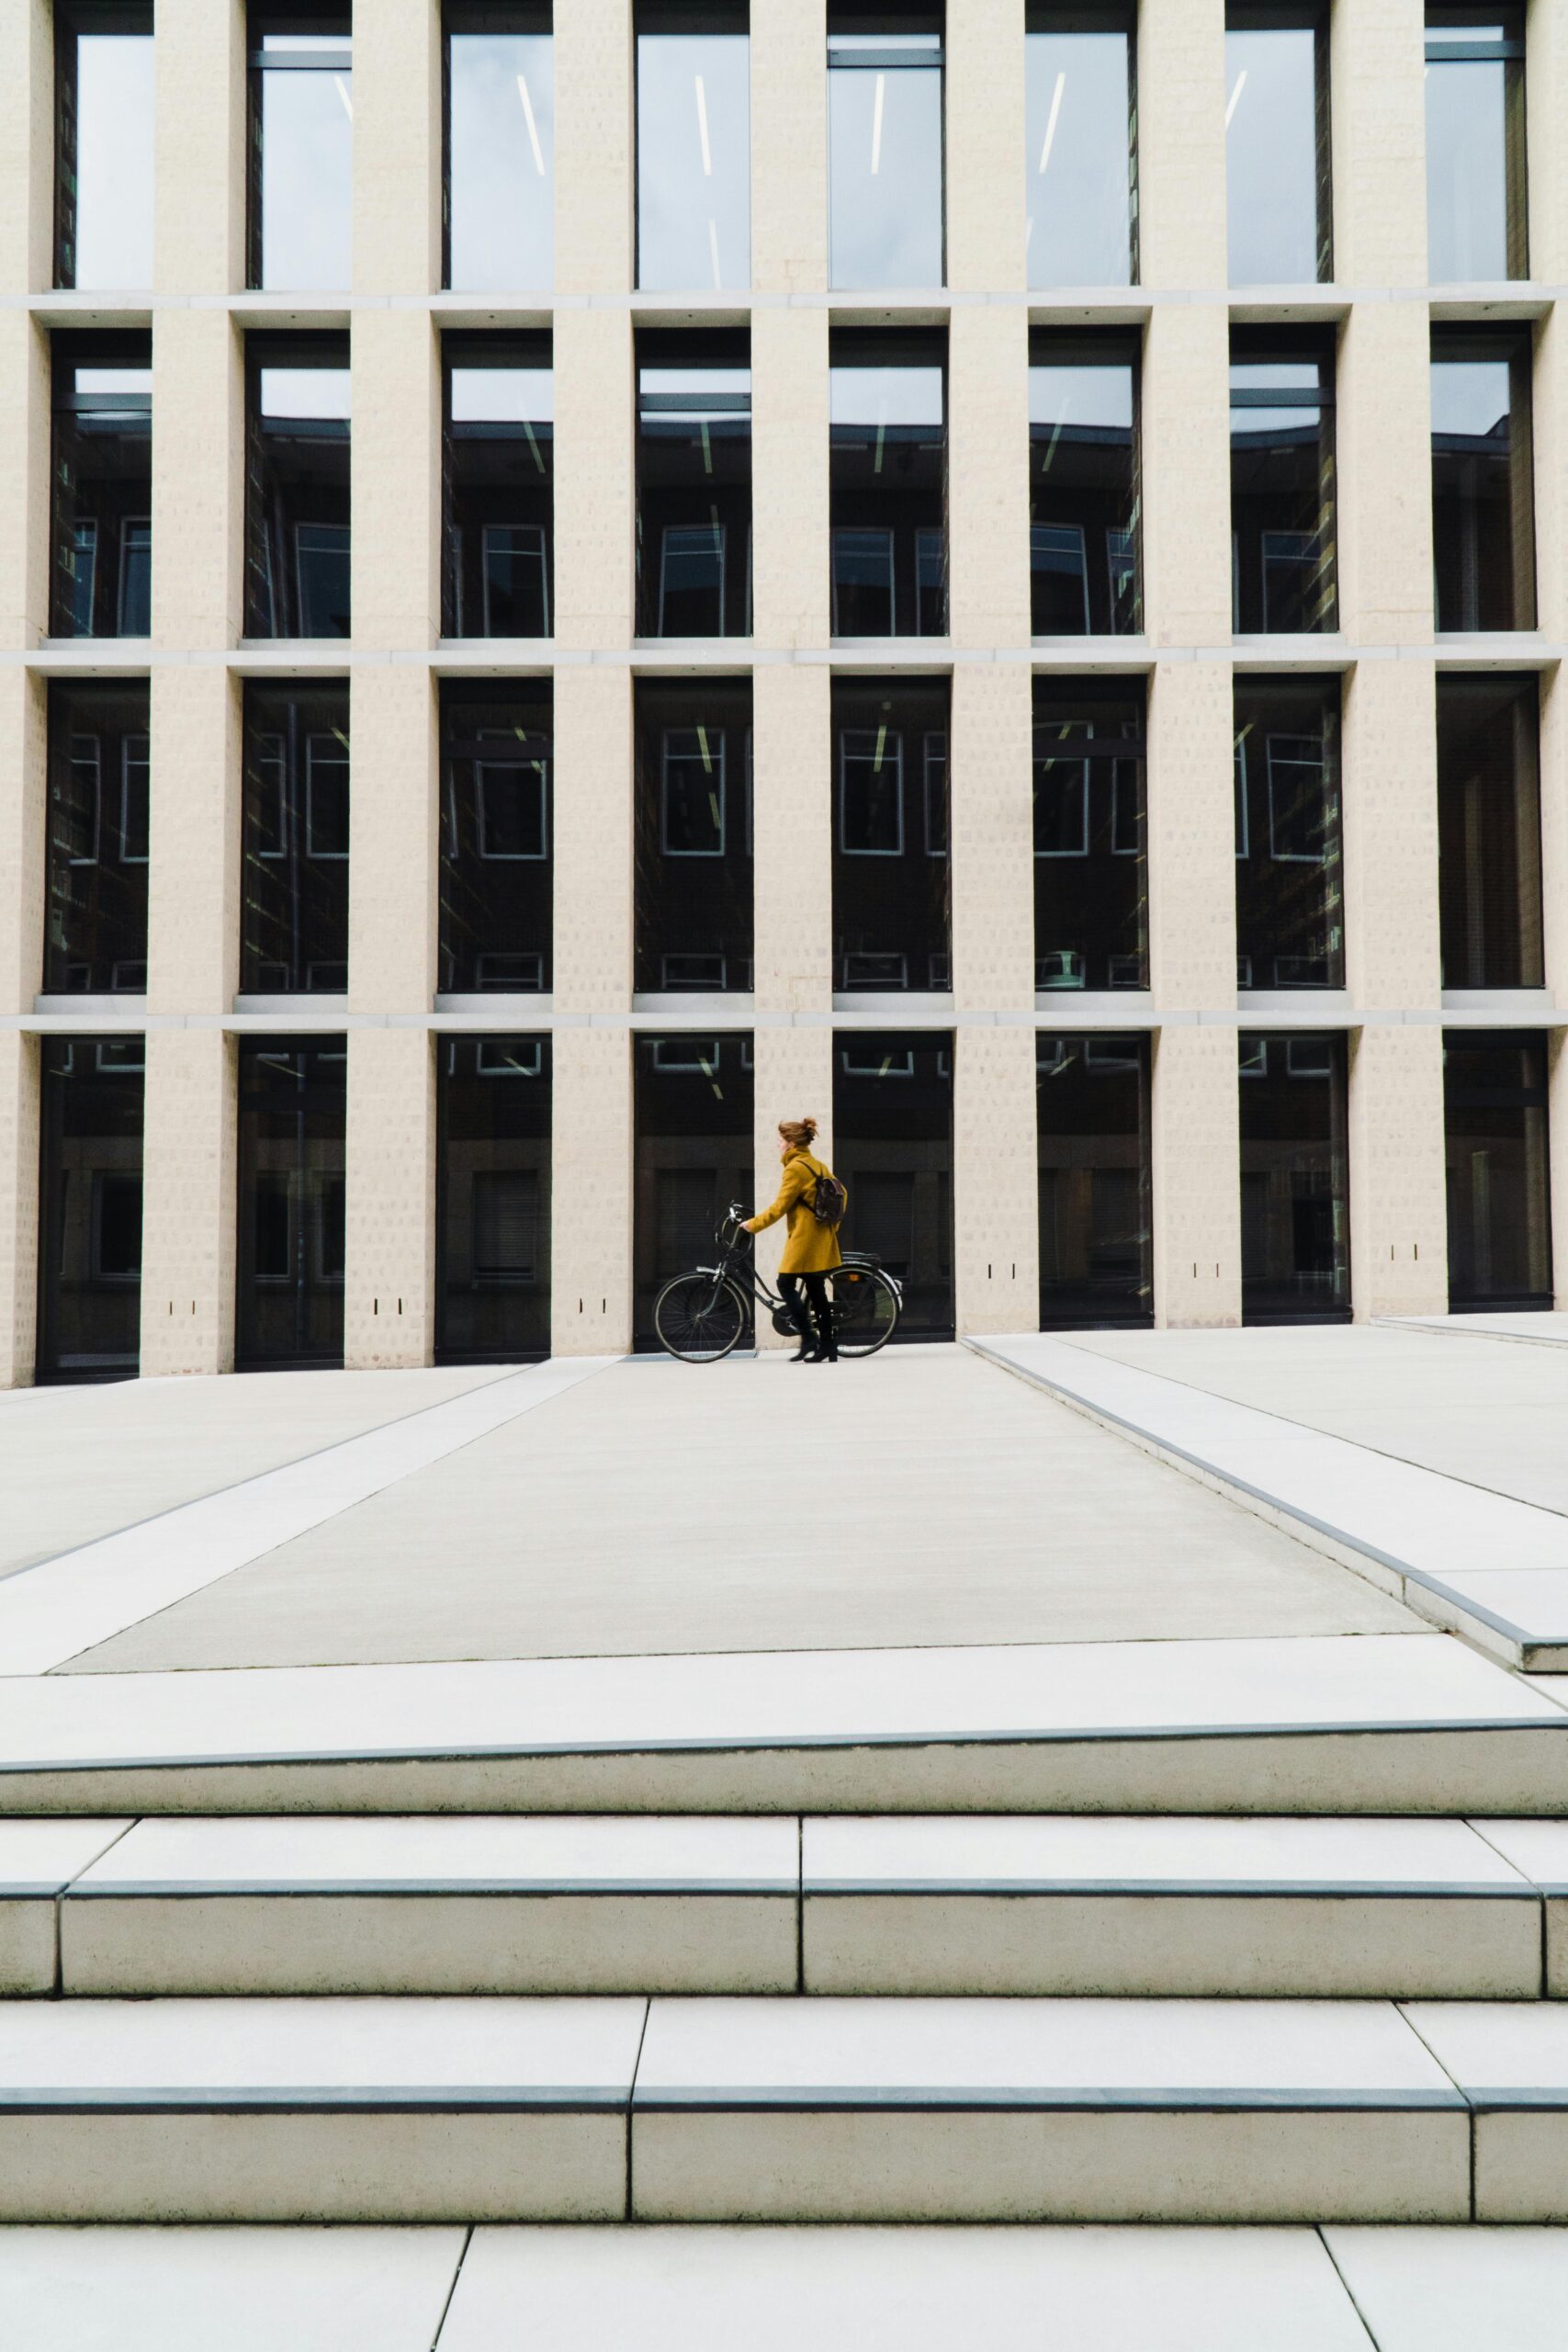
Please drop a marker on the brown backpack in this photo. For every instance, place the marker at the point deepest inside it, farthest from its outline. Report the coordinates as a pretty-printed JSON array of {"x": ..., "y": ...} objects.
[{"x": 827, "y": 1199}]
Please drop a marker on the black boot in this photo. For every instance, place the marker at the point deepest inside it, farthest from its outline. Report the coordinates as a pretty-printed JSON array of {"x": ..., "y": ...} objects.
[
  {"x": 800, "y": 1318},
  {"x": 826, "y": 1350}
]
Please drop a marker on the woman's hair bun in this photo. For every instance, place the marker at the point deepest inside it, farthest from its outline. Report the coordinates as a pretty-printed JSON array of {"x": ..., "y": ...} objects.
[
  {"x": 811, "y": 1126},
  {"x": 798, "y": 1131}
]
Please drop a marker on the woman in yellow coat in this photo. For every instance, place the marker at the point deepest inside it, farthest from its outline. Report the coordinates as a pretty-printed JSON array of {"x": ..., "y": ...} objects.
[{"x": 811, "y": 1251}]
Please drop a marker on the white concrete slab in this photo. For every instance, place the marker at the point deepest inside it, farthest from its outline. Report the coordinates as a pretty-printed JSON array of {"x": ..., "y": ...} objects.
[
  {"x": 42, "y": 1857},
  {"x": 1540, "y": 1329},
  {"x": 1537, "y": 1849},
  {"x": 1528, "y": 1606},
  {"x": 1457, "y": 2290},
  {"x": 1510, "y": 2058}
]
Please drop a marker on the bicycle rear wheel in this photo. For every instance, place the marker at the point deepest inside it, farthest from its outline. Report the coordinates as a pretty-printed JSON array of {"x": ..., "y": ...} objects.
[
  {"x": 865, "y": 1309},
  {"x": 699, "y": 1318}
]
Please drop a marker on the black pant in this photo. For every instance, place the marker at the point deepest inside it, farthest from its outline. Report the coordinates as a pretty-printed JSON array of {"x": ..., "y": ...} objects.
[{"x": 815, "y": 1289}]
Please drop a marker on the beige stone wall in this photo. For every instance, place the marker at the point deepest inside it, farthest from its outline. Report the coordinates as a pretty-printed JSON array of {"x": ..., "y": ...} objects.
[
  {"x": 1378, "y": 101},
  {"x": 394, "y": 839},
  {"x": 1187, "y": 475},
  {"x": 1398, "y": 1208},
  {"x": 189, "y": 1156},
  {"x": 18, "y": 1206},
  {"x": 1182, "y": 140},
  {"x": 24, "y": 481},
  {"x": 595, "y": 144},
  {"x": 27, "y": 147},
  {"x": 200, "y": 158},
  {"x": 1384, "y": 465},
  {"x": 793, "y": 1079},
  {"x": 988, "y": 380},
  {"x": 395, "y": 459},
  {"x": 592, "y": 811},
  {"x": 595, "y": 479},
  {"x": 1197, "y": 1201},
  {"x": 990, "y": 783},
  {"x": 193, "y": 874},
  {"x": 789, "y": 152},
  {"x": 590, "y": 1193},
  {"x": 24, "y": 718},
  {"x": 198, "y": 480},
  {"x": 790, "y": 573},
  {"x": 996, "y": 1240},
  {"x": 388, "y": 1319},
  {"x": 986, "y": 206},
  {"x": 792, "y": 760},
  {"x": 396, "y": 149}
]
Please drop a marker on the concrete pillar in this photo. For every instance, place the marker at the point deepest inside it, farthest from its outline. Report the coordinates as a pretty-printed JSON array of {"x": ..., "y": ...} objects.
[
  {"x": 792, "y": 830},
  {"x": 590, "y": 1209},
  {"x": 18, "y": 1206},
  {"x": 193, "y": 876},
  {"x": 986, "y": 188},
  {"x": 595, "y": 151},
  {"x": 1556, "y": 1132},
  {"x": 1549, "y": 433},
  {"x": 990, "y": 774},
  {"x": 793, "y": 1079},
  {"x": 1181, "y": 144},
  {"x": 25, "y": 484},
  {"x": 595, "y": 479},
  {"x": 1186, "y": 476},
  {"x": 1554, "y": 897},
  {"x": 389, "y": 1307},
  {"x": 789, "y": 150},
  {"x": 988, "y": 384},
  {"x": 198, "y": 482},
  {"x": 1399, "y": 1241},
  {"x": 996, "y": 1185},
  {"x": 1389, "y": 797},
  {"x": 1383, "y": 465},
  {"x": 396, "y": 462},
  {"x": 394, "y": 839},
  {"x": 189, "y": 1210},
  {"x": 27, "y": 147},
  {"x": 1197, "y": 1189},
  {"x": 24, "y": 800},
  {"x": 1378, "y": 106},
  {"x": 790, "y": 548},
  {"x": 199, "y": 148},
  {"x": 396, "y": 150},
  {"x": 1546, "y": 108},
  {"x": 593, "y": 835}
]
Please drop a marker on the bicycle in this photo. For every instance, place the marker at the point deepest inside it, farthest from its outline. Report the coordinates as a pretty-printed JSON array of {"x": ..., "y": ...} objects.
[{"x": 703, "y": 1316}]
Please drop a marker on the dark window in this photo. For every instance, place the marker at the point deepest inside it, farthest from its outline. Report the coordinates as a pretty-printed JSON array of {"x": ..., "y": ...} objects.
[
  {"x": 1278, "y": 189},
  {"x": 96, "y": 931},
  {"x": 1289, "y": 883},
  {"x": 497, "y": 578},
  {"x": 1476, "y": 144},
  {"x": 693, "y": 467},
  {"x": 293, "y": 1103},
  {"x": 693, "y": 835},
  {"x": 1495, "y": 1125},
  {"x": 888, "y": 485},
  {"x": 694, "y": 145},
  {"x": 500, "y": 187},
  {"x": 89, "y": 1282},
  {"x": 297, "y": 487},
  {"x": 1090, "y": 857},
  {"x": 1295, "y": 1213},
  {"x": 496, "y": 836},
  {"x": 1081, "y": 168},
  {"x": 1282, "y": 495},
  {"x": 1483, "y": 527},
  {"x": 884, "y": 112},
  {"x": 492, "y": 1204},
  {"x": 694, "y": 1156},
  {"x": 295, "y": 833},
  {"x": 1083, "y": 486},
  {"x": 1489, "y": 832},
  {"x": 1092, "y": 1123},
  {"x": 301, "y": 100},
  {"x": 891, "y": 923},
  {"x": 893, "y": 1148},
  {"x": 101, "y": 565},
  {"x": 103, "y": 144}
]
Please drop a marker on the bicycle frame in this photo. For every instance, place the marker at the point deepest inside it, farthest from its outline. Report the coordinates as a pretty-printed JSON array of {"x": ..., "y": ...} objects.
[{"x": 735, "y": 1267}]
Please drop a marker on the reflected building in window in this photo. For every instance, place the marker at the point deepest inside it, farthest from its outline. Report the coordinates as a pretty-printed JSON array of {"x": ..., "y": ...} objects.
[
  {"x": 301, "y": 147},
  {"x": 1290, "y": 876},
  {"x": 893, "y": 1150},
  {"x": 89, "y": 1244},
  {"x": 1477, "y": 224},
  {"x": 888, "y": 483},
  {"x": 892, "y": 927},
  {"x": 96, "y": 859},
  {"x": 492, "y": 1199},
  {"x": 1278, "y": 190},
  {"x": 694, "y": 927},
  {"x": 1083, "y": 497},
  {"x": 1080, "y": 143},
  {"x": 499, "y": 220},
  {"x": 693, "y": 146},
  {"x": 101, "y": 525},
  {"x": 103, "y": 145},
  {"x": 497, "y": 867},
  {"x": 694, "y": 484},
  {"x": 1489, "y": 832},
  {"x": 1090, "y": 835},
  {"x": 498, "y": 484},
  {"x": 693, "y": 1099},
  {"x": 1482, "y": 479},
  {"x": 1295, "y": 1178},
  {"x": 1284, "y": 563},
  {"x": 1494, "y": 1127},
  {"x": 298, "y": 551},
  {"x": 294, "y": 839},
  {"x": 884, "y": 147},
  {"x": 1093, "y": 1124},
  {"x": 293, "y": 1102}
]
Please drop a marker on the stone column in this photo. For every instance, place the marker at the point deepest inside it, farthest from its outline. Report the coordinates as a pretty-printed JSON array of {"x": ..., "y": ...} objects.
[
  {"x": 1181, "y": 144},
  {"x": 988, "y": 385},
  {"x": 396, "y": 462},
  {"x": 595, "y": 151},
  {"x": 591, "y": 1207},
  {"x": 789, "y": 152},
  {"x": 189, "y": 1202},
  {"x": 27, "y": 147},
  {"x": 790, "y": 548},
  {"x": 996, "y": 1185},
  {"x": 1186, "y": 475},
  {"x": 1377, "y": 66},
  {"x": 593, "y": 837},
  {"x": 198, "y": 483},
  {"x": 985, "y": 135},
  {"x": 388, "y": 1319},
  {"x": 18, "y": 1206},
  {"x": 794, "y": 1080},
  {"x": 23, "y": 722},
  {"x": 200, "y": 158},
  {"x": 792, "y": 761},
  {"x": 397, "y": 153},
  {"x": 595, "y": 480},
  {"x": 24, "y": 482}
]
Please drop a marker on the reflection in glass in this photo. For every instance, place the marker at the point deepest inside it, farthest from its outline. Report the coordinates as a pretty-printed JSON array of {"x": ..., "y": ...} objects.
[
  {"x": 95, "y": 914},
  {"x": 1290, "y": 916},
  {"x": 891, "y": 921},
  {"x": 1084, "y": 494},
  {"x": 1090, "y": 869},
  {"x": 301, "y": 87},
  {"x": 1494, "y": 1127},
  {"x": 496, "y": 837},
  {"x": 893, "y": 1148},
  {"x": 492, "y": 1199},
  {"x": 1476, "y": 218},
  {"x": 693, "y": 467},
  {"x": 89, "y": 1244},
  {"x": 499, "y": 146},
  {"x": 293, "y": 1107},
  {"x": 1081, "y": 152},
  {"x": 885, "y": 161},
  {"x": 1295, "y": 1200},
  {"x": 499, "y": 446},
  {"x": 1489, "y": 832},
  {"x": 1483, "y": 526},
  {"x": 887, "y": 486},
  {"x": 693, "y": 835},
  {"x": 297, "y": 486},
  {"x": 294, "y": 838},
  {"x": 694, "y": 150},
  {"x": 1284, "y": 573},
  {"x": 1277, "y": 182},
  {"x": 101, "y": 568},
  {"x": 103, "y": 95},
  {"x": 1092, "y": 1123},
  {"x": 693, "y": 1110}
]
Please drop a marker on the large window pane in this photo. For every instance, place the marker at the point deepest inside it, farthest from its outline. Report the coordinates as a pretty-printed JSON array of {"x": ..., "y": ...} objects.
[
  {"x": 1276, "y": 180},
  {"x": 693, "y": 146},
  {"x": 96, "y": 928},
  {"x": 693, "y": 835},
  {"x": 301, "y": 148},
  {"x": 101, "y": 556},
  {"x": 692, "y": 1109},
  {"x": 1477, "y": 216},
  {"x": 1489, "y": 832},
  {"x": 295, "y": 836},
  {"x": 893, "y": 1147},
  {"x": 885, "y": 156},
  {"x": 298, "y": 549},
  {"x": 891, "y": 921},
  {"x": 499, "y": 146},
  {"x": 694, "y": 472},
  {"x": 1081, "y": 150},
  {"x": 293, "y": 1111},
  {"x": 1283, "y": 572},
  {"x": 1090, "y": 856},
  {"x": 103, "y": 209},
  {"x": 1092, "y": 1122},
  {"x": 1494, "y": 1121},
  {"x": 888, "y": 485},
  {"x": 496, "y": 837},
  {"x": 1482, "y": 479},
  {"x": 89, "y": 1260},
  {"x": 1290, "y": 876},
  {"x": 492, "y": 1199},
  {"x": 1295, "y": 1199},
  {"x": 1084, "y": 503},
  {"x": 498, "y": 576}
]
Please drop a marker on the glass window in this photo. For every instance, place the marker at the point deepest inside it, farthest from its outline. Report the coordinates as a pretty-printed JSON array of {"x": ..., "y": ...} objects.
[
  {"x": 1476, "y": 224},
  {"x": 1095, "y": 1256},
  {"x": 694, "y": 145},
  {"x": 89, "y": 1253},
  {"x": 692, "y": 1108},
  {"x": 891, "y": 915},
  {"x": 1081, "y": 155},
  {"x": 1489, "y": 832},
  {"x": 1277, "y": 194},
  {"x": 295, "y": 839},
  {"x": 293, "y": 1107},
  {"x": 1290, "y": 914},
  {"x": 496, "y": 837},
  {"x": 1482, "y": 489},
  {"x": 1084, "y": 502},
  {"x": 103, "y": 153},
  {"x": 297, "y": 550},
  {"x": 893, "y": 1149},
  {"x": 884, "y": 159},
  {"x": 1295, "y": 1200},
  {"x": 499, "y": 486},
  {"x": 500, "y": 183},
  {"x": 1283, "y": 574},
  {"x": 302, "y": 85},
  {"x": 492, "y": 1199},
  {"x": 693, "y": 466},
  {"x": 1091, "y": 859},
  {"x": 101, "y": 564},
  {"x": 1494, "y": 1126},
  {"x": 693, "y": 835},
  {"x": 96, "y": 926},
  {"x": 888, "y": 485}
]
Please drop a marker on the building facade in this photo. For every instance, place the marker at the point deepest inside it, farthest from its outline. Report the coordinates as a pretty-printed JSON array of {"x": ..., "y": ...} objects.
[{"x": 995, "y": 574}]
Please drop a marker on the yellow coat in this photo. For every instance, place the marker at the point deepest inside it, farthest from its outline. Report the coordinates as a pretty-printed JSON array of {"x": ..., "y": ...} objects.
[{"x": 811, "y": 1248}]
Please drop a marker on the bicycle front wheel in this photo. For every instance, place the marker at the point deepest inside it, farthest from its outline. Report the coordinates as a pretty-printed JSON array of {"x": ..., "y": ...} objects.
[
  {"x": 699, "y": 1318},
  {"x": 865, "y": 1309}
]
